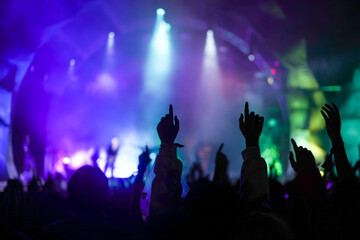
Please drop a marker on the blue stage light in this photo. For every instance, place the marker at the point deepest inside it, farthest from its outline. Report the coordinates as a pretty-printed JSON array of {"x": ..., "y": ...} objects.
[{"x": 160, "y": 12}]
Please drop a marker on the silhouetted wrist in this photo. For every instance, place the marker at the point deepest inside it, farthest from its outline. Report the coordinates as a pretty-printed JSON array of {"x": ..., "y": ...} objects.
[
  {"x": 252, "y": 143},
  {"x": 337, "y": 141}
]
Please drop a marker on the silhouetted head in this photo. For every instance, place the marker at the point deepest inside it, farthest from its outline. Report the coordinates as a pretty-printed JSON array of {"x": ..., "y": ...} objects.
[{"x": 88, "y": 187}]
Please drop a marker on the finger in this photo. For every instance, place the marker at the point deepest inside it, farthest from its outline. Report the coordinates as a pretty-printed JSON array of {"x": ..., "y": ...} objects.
[
  {"x": 324, "y": 115},
  {"x": 329, "y": 107},
  {"x": 311, "y": 155},
  {"x": 252, "y": 115},
  {"x": 292, "y": 160},
  {"x": 294, "y": 145},
  {"x": 220, "y": 148},
  {"x": 335, "y": 107},
  {"x": 177, "y": 122},
  {"x": 261, "y": 121},
  {"x": 147, "y": 149},
  {"x": 246, "y": 111},
  {"x": 326, "y": 110},
  {"x": 171, "y": 113}
]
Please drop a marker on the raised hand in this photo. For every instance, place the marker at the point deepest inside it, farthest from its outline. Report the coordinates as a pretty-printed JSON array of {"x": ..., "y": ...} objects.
[
  {"x": 221, "y": 164},
  {"x": 332, "y": 120},
  {"x": 167, "y": 129},
  {"x": 144, "y": 159},
  {"x": 304, "y": 158},
  {"x": 221, "y": 160},
  {"x": 251, "y": 126},
  {"x": 333, "y": 126}
]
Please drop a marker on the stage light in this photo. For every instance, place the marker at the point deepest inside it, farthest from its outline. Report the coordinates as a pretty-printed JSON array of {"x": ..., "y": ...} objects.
[
  {"x": 160, "y": 12},
  {"x": 111, "y": 34},
  {"x": 251, "y": 57},
  {"x": 72, "y": 62},
  {"x": 152, "y": 156},
  {"x": 210, "y": 46},
  {"x": 110, "y": 43},
  {"x": 210, "y": 69},
  {"x": 66, "y": 160},
  {"x": 158, "y": 65},
  {"x": 270, "y": 80},
  {"x": 272, "y": 122},
  {"x": 211, "y": 99},
  {"x": 273, "y": 71}
]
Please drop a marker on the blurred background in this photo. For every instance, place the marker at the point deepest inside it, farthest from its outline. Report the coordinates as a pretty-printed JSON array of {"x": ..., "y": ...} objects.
[{"x": 76, "y": 74}]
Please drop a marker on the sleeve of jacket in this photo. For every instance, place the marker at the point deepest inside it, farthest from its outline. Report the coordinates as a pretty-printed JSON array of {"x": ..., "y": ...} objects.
[
  {"x": 166, "y": 188},
  {"x": 254, "y": 181}
]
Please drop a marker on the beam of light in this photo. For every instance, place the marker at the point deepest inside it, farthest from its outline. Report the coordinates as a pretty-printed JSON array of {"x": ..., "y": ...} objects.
[
  {"x": 211, "y": 76},
  {"x": 71, "y": 67},
  {"x": 158, "y": 65},
  {"x": 110, "y": 43},
  {"x": 156, "y": 83},
  {"x": 211, "y": 100}
]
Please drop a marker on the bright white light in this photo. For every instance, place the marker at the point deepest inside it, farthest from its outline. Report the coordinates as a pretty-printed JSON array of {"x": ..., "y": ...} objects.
[
  {"x": 211, "y": 71},
  {"x": 72, "y": 62},
  {"x": 160, "y": 12},
  {"x": 270, "y": 80},
  {"x": 158, "y": 66},
  {"x": 66, "y": 160},
  {"x": 210, "y": 46},
  {"x": 251, "y": 57},
  {"x": 211, "y": 89},
  {"x": 152, "y": 156},
  {"x": 111, "y": 34},
  {"x": 81, "y": 158},
  {"x": 110, "y": 43},
  {"x": 127, "y": 158}
]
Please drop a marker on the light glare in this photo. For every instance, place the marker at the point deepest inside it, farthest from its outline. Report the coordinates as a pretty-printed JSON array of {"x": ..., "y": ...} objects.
[
  {"x": 66, "y": 160},
  {"x": 160, "y": 12},
  {"x": 251, "y": 57}
]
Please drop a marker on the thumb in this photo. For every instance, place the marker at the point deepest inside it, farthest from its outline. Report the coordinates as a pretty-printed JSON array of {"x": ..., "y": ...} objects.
[
  {"x": 177, "y": 122},
  {"x": 220, "y": 148}
]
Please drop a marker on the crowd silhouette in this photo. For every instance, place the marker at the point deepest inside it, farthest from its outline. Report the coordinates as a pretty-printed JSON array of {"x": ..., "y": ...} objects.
[{"x": 165, "y": 206}]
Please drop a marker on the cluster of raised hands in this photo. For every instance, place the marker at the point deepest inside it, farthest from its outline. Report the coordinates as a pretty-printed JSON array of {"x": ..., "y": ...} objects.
[{"x": 251, "y": 125}]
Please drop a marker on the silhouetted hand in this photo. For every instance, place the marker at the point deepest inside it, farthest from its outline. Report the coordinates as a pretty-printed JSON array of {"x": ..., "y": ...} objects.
[
  {"x": 333, "y": 122},
  {"x": 221, "y": 164},
  {"x": 304, "y": 158},
  {"x": 221, "y": 160},
  {"x": 144, "y": 159},
  {"x": 167, "y": 129},
  {"x": 251, "y": 127}
]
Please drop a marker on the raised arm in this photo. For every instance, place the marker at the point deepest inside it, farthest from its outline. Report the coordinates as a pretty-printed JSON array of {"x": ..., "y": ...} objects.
[
  {"x": 254, "y": 182},
  {"x": 221, "y": 165},
  {"x": 138, "y": 185},
  {"x": 332, "y": 119},
  {"x": 166, "y": 187}
]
